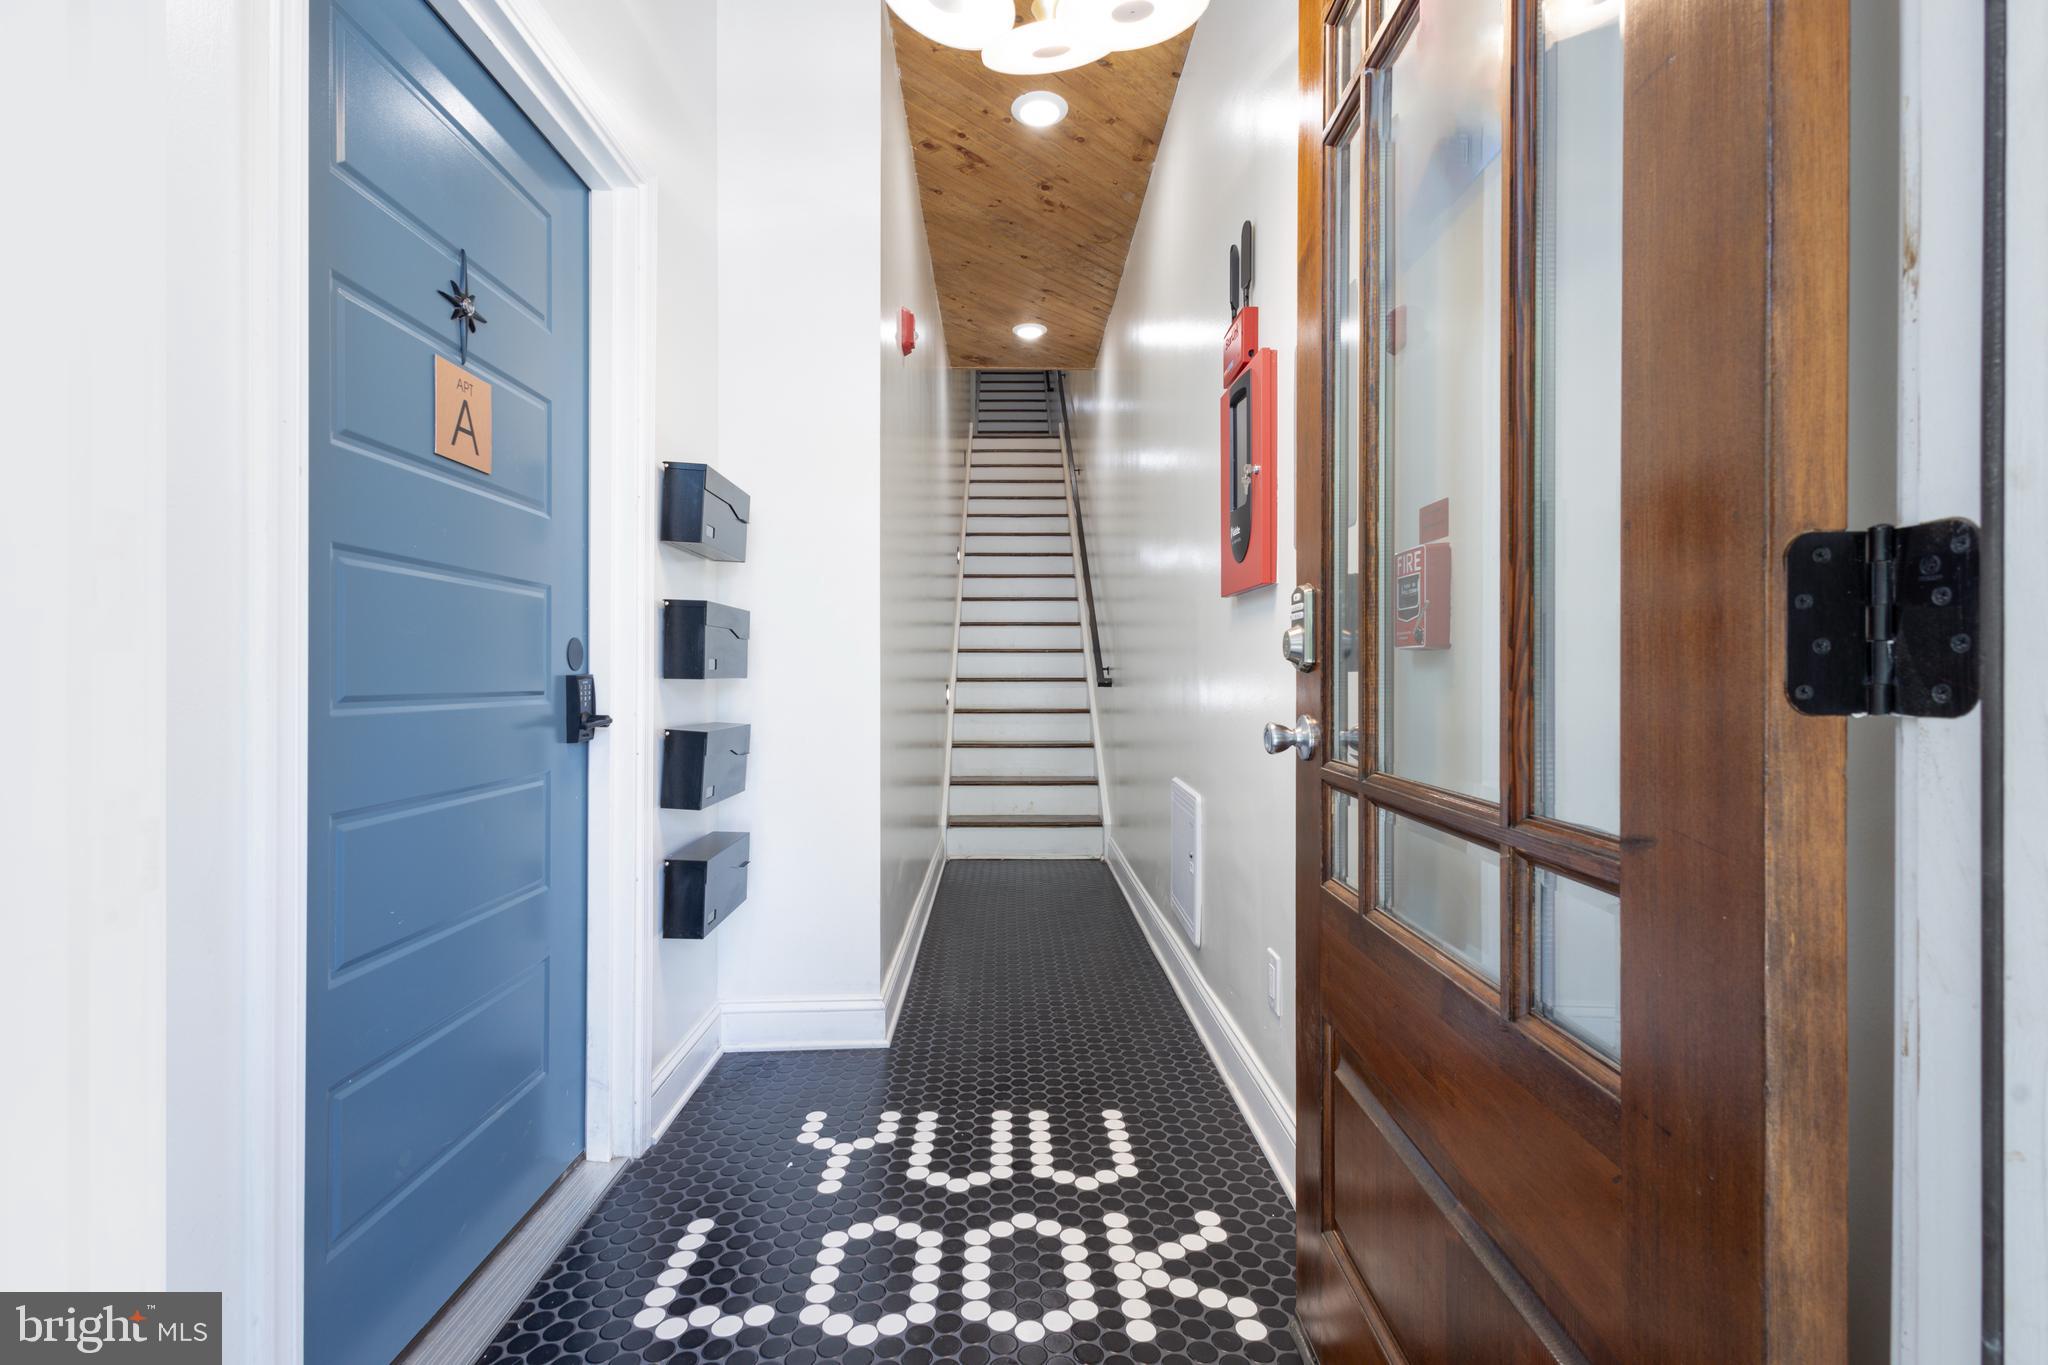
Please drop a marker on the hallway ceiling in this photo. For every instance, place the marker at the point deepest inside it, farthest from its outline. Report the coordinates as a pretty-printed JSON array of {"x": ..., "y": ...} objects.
[{"x": 1029, "y": 224}]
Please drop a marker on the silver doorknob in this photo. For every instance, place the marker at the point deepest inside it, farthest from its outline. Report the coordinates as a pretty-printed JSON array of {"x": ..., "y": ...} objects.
[{"x": 1303, "y": 738}]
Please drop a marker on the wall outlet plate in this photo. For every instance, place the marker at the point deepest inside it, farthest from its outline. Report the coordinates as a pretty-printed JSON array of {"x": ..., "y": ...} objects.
[{"x": 1273, "y": 983}]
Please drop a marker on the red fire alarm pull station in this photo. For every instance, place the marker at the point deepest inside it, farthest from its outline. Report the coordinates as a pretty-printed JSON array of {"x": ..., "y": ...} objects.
[
  {"x": 1249, "y": 439},
  {"x": 906, "y": 330},
  {"x": 1422, "y": 584}
]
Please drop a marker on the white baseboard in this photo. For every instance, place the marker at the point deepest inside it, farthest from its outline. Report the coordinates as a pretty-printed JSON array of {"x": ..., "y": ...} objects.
[
  {"x": 794, "y": 1023},
  {"x": 804, "y": 1023},
  {"x": 896, "y": 983},
  {"x": 1264, "y": 1104},
  {"x": 683, "y": 1070}
]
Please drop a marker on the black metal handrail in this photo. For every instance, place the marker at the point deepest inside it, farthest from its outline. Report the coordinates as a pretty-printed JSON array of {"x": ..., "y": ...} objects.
[{"x": 1065, "y": 417}]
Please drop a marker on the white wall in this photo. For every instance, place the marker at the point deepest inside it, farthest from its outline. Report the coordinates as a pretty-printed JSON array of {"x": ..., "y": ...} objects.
[
  {"x": 85, "y": 555},
  {"x": 924, "y": 468},
  {"x": 2026, "y": 734},
  {"x": 1197, "y": 675},
  {"x": 799, "y": 253},
  {"x": 652, "y": 71}
]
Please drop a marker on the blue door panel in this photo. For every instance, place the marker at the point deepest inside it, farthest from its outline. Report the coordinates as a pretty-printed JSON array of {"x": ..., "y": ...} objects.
[
  {"x": 445, "y": 845},
  {"x": 421, "y": 149},
  {"x": 393, "y": 886}
]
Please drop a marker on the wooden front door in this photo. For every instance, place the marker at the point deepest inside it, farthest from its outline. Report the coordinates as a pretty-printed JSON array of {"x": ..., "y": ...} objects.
[{"x": 1570, "y": 869}]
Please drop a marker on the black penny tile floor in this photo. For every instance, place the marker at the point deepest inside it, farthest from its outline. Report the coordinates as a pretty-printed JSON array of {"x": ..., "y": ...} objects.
[{"x": 1045, "y": 1166}]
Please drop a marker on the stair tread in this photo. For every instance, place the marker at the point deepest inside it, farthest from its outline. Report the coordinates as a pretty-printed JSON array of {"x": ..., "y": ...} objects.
[
  {"x": 1017, "y": 575},
  {"x": 1024, "y": 821},
  {"x": 1023, "y": 743},
  {"x": 1021, "y": 554},
  {"x": 1019, "y": 599},
  {"x": 1020, "y": 710},
  {"x": 1018, "y": 649},
  {"x": 990, "y": 780},
  {"x": 1071, "y": 625},
  {"x": 1027, "y": 678}
]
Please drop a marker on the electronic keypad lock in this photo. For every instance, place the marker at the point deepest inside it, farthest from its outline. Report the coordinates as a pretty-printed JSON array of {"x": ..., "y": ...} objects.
[
  {"x": 584, "y": 721},
  {"x": 1298, "y": 641}
]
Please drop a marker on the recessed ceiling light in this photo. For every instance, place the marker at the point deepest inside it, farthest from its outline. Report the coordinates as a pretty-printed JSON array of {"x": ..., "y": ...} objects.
[
  {"x": 957, "y": 23},
  {"x": 1039, "y": 109},
  {"x": 1029, "y": 331}
]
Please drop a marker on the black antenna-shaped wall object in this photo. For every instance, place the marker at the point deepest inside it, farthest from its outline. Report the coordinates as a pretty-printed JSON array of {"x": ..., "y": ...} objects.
[
  {"x": 1245, "y": 271},
  {"x": 1236, "y": 290}
]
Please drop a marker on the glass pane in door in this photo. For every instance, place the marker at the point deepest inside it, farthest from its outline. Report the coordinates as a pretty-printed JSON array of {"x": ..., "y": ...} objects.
[
  {"x": 1438, "y": 140},
  {"x": 1346, "y": 395},
  {"x": 1347, "y": 848},
  {"x": 1445, "y": 888},
  {"x": 1578, "y": 961},
  {"x": 1578, "y": 415},
  {"x": 1347, "y": 43}
]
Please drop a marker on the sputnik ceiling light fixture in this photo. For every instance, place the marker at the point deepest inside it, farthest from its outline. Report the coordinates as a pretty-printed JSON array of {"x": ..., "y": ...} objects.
[{"x": 1063, "y": 34}]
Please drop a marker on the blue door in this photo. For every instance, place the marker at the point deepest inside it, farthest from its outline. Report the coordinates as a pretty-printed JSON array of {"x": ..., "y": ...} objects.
[{"x": 445, "y": 844}]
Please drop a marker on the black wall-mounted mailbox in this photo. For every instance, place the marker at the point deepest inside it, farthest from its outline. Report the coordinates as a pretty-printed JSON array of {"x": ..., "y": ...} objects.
[
  {"x": 704, "y": 511},
  {"x": 706, "y": 640},
  {"x": 703, "y": 884},
  {"x": 701, "y": 765}
]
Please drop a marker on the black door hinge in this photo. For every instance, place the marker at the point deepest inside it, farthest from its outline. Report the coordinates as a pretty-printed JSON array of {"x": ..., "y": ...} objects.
[{"x": 1883, "y": 622}]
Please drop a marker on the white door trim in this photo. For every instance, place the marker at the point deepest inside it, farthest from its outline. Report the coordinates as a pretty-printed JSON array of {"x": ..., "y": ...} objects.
[
  {"x": 1937, "y": 1245},
  {"x": 531, "y": 60}
]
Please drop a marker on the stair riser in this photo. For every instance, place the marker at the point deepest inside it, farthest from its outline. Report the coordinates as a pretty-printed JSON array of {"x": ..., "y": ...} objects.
[
  {"x": 1024, "y": 843},
  {"x": 1016, "y": 488},
  {"x": 986, "y": 544},
  {"x": 1053, "y": 525},
  {"x": 1012, "y": 562},
  {"x": 1023, "y": 763},
  {"x": 1055, "y": 506},
  {"x": 1022, "y": 464},
  {"x": 1025, "y": 801},
  {"x": 988, "y": 613},
  {"x": 1019, "y": 666},
  {"x": 1020, "y": 637},
  {"x": 996, "y": 441},
  {"x": 1029, "y": 695},
  {"x": 1019, "y": 587},
  {"x": 1021, "y": 727}
]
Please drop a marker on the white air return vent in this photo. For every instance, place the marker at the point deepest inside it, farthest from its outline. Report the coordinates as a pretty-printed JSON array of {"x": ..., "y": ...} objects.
[{"x": 1184, "y": 887}]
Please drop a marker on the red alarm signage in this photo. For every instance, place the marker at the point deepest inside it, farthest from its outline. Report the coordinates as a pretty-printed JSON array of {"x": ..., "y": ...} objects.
[
  {"x": 1421, "y": 597},
  {"x": 1250, "y": 457}
]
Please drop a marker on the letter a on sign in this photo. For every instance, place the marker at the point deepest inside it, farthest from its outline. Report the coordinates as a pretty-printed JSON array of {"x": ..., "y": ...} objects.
[{"x": 462, "y": 416}]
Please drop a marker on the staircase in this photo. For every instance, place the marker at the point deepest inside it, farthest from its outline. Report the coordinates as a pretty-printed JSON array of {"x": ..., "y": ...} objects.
[{"x": 1025, "y": 783}]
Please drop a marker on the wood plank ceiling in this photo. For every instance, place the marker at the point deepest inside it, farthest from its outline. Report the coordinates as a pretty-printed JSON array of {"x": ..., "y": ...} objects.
[{"x": 1030, "y": 224}]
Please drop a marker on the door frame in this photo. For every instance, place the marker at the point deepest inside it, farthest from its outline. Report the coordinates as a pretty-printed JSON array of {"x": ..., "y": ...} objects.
[{"x": 529, "y": 57}]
